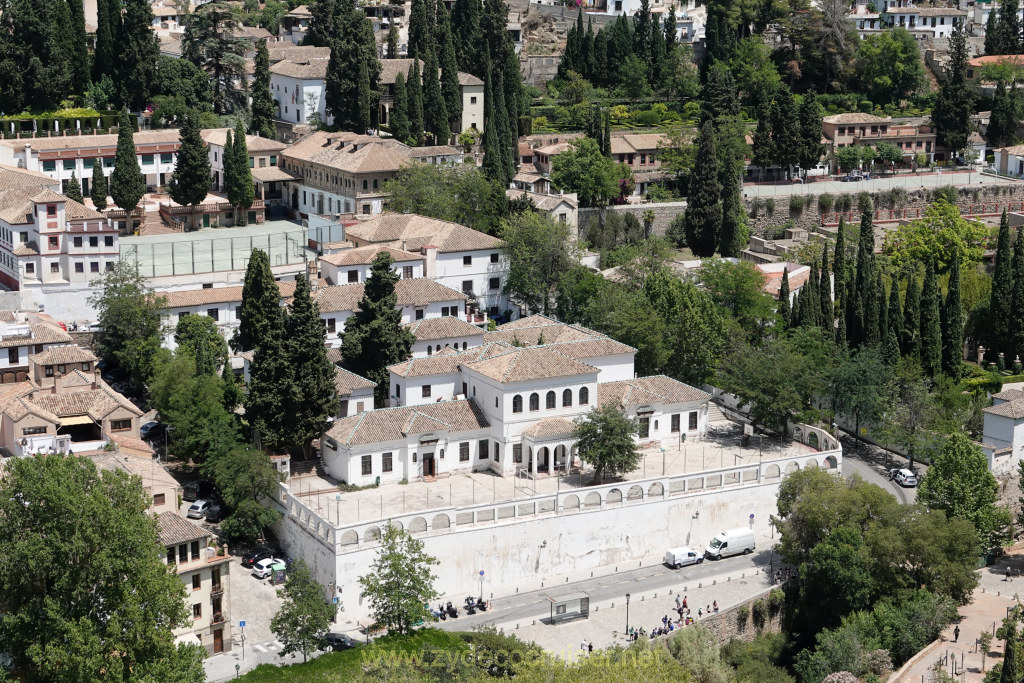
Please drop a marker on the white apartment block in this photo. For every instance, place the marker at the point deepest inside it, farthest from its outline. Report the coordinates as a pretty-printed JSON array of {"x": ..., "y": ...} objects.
[{"x": 297, "y": 86}]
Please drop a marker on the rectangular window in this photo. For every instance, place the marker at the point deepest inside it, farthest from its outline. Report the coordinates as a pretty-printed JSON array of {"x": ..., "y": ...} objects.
[
  {"x": 425, "y": 391},
  {"x": 120, "y": 425},
  {"x": 158, "y": 499},
  {"x": 263, "y": 162},
  {"x": 30, "y": 268},
  {"x": 69, "y": 164},
  {"x": 49, "y": 166},
  {"x": 406, "y": 272},
  {"x": 78, "y": 240},
  {"x": 108, "y": 162},
  {"x": 385, "y": 462},
  {"x": 562, "y": 218},
  {"x": 517, "y": 452},
  {"x": 252, "y": 163},
  {"x": 692, "y": 421},
  {"x": 343, "y": 409},
  {"x": 467, "y": 286},
  {"x": 94, "y": 241},
  {"x": 147, "y": 159},
  {"x": 494, "y": 283},
  {"x": 472, "y": 100},
  {"x": 645, "y": 427},
  {"x": 464, "y": 451},
  {"x": 367, "y": 465},
  {"x": 182, "y": 554},
  {"x": 353, "y": 276},
  {"x": 273, "y": 160},
  {"x": 197, "y": 611},
  {"x": 13, "y": 355},
  {"x": 213, "y": 313},
  {"x": 494, "y": 258},
  {"x": 94, "y": 267},
  {"x": 483, "y": 449},
  {"x": 29, "y": 431},
  {"x": 79, "y": 267},
  {"x": 419, "y": 314},
  {"x": 467, "y": 260},
  {"x": 332, "y": 325},
  {"x": 166, "y": 158},
  {"x": 197, "y": 581},
  {"x": 54, "y": 242},
  {"x": 675, "y": 423},
  {"x": 108, "y": 240}
]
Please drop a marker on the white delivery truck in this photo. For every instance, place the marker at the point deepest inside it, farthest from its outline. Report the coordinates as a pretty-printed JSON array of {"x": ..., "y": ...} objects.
[
  {"x": 728, "y": 543},
  {"x": 679, "y": 557}
]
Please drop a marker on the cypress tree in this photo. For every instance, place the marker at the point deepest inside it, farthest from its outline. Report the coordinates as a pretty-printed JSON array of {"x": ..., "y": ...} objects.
[
  {"x": 312, "y": 399},
  {"x": 783, "y": 308},
  {"x": 912, "y": 319},
  {"x": 1017, "y": 323},
  {"x": 587, "y": 49},
  {"x": 228, "y": 163},
  {"x": 841, "y": 333},
  {"x": 670, "y": 29},
  {"x": 79, "y": 53},
  {"x": 108, "y": 24},
  {"x": 261, "y": 301},
  {"x": 703, "y": 219},
  {"x": 414, "y": 90},
  {"x": 811, "y": 148},
  {"x": 894, "y": 317},
  {"x": 73, "y": 190},
  {"x": 992, "y": 33},
  {"x": 954, "y": 104},
  {"x": 931, "y": 332},
  {"x": 420, "y": 30},
  {"x": 435, "y": 114},
  {"x": 796, "y": 315},
  {"x": 786, "y": 130},
  {"x": 492, "y": 147},
  {"x": 321, "y": 24},
  {"x": 953, "y": 322},
  {"x": 865, "y": 284},
  {"x": 658, "y": 50},
  {"x": 883, "y": 313},
  {"x": 839, "y": 257},
  {"x": 98, "y": 191},
  {"x": 733, "y": 221},
  {"x": 270, "y": 384},
  {"x": 399, "y": 111},
  {"x": 393, "y": 49},
  {"x": 891, "y": 350},
  {"x": 499, "y": 129},
  {"x": 1002, "y": 124},
  {"x": 363, "y": 98},
  {"x": 1001, "y": 298},
  {"x": 1009, "y": 28},
  {"x": 856, "y": 329},
  {"x": 607, "y": 135},
  {"x": 241, "y": 190},
  {"x": 466, "y": 35},
  {"x": 137, "y": 50},
  {"x": 127, "y": 184},
  {"x": 263, "y": 107},
  {"x": 811, "y": 310},
  {"x": 719, "y": 94},
  {"x": 764, "y": 146},
  {"x": 449, "y": 72},
  {"x": 374, "y": 337},
  {"x": 191, "y": 178},
  {"x": 825, "y": 294}
]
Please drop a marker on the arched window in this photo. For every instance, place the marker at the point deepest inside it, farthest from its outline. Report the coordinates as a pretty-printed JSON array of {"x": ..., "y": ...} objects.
[
  {"x": 567, "y": 398},
  {"x": 517, "y": 404},
  {"x": 365, "y": 186},
  {"x": 429, "y": 350},
  {"x": 584, "y": 396},
  {"x": 549, "y": 401},
  {"x": 534, "y": 402}
]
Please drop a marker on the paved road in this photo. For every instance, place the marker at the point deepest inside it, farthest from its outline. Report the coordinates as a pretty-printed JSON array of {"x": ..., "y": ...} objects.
[
  {"x": 873, "y": 462},
  {"x": 908, "y": 181}
]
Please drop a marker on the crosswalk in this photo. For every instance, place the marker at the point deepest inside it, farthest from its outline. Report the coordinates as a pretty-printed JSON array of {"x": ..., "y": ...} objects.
[{"x": 269, "y": 646}]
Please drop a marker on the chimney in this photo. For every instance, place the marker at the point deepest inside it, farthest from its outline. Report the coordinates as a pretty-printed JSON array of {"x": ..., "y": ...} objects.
[
  {"x": 95, "y": 378},
  {"x": 429, "y": 260}
]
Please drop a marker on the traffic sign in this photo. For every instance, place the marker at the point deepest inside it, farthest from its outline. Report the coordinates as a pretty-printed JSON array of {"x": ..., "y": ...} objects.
[{"x": 242, "y": 623}]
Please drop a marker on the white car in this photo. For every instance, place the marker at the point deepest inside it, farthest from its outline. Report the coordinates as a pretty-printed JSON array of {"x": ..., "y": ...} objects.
[
  {"x": 198, "y": 509},
  {"x": 261, "y": 569},
  {"x": 903, "y": 477}
]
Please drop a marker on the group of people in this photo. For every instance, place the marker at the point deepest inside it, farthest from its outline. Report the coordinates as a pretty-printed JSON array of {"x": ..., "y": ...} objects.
[
  {"x": 668, "y": 625},
  {"x": 586, "y": 646}
]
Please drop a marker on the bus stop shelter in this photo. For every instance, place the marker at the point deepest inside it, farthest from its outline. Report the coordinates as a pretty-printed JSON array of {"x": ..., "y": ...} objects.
[{"x": 569, "y": 607}]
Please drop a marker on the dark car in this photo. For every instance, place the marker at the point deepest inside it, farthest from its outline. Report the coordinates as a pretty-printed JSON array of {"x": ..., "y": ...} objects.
[
  {"x": 215, "y": 513},
  {"x": 152, "y": 430},
  {"x": 256, "y": 554},
  {"x": 194, "y": 490},
  {"x": 338, "y": 641}
]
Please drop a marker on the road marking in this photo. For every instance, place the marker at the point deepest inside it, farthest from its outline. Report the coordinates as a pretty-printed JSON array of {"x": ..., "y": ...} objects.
[{"x": 259, "y": 648}]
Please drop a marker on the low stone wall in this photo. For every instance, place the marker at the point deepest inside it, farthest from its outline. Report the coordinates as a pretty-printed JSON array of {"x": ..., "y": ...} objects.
[
  {"x": 730, "y": 623},
  {"x": 664, "y": 212}
]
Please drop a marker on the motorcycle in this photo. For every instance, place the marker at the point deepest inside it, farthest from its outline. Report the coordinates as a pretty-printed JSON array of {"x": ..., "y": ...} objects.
[
  {"x": 441, "y": 613},
  {"x": 481, "y": 605},
  {"x": 453, "y": 612},
  {"x": 470, "y": 606}
]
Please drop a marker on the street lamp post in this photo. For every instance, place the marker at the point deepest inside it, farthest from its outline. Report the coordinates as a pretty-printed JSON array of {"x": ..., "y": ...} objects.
[{"x": 627, "y": 615}]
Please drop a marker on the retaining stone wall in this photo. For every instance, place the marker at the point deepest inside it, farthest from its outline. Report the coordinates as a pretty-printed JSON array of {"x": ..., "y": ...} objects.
[
  {"x": 663, "y": 214},
  {"x": 727, "y": 624}
]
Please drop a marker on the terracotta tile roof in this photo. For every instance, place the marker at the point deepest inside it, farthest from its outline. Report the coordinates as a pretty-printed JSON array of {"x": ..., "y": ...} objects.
[
  {"x": 41, "y": 333},
  {"x": 151, "y": 471},
  {"x": 417, "y": 231},
  {"x": 1009, "y": 395},
  {"x": 215, "y": 295},
  {"x": 575, "y": 341},
  {"x": 301, "y": 11},
  {"x": 311, "y": 70},
  {"x": 390, "y": 68},
  {"x": 348, "y": 152},
  {"x": 933, "y": 11},
  {"x": 854, "y": 117},
  {"x": 27, "y": 249},
  {"x": 136, "y": 447},
  {"x": 446, "y": 361},
  {"x": 254, "y": 143},
  {"x": 523, "y": 365},
  {"x": 75, "y": 142},
  {"x": 63, "y": 355},
  {"x": 1011, "y": 409},
  {"x": 447, "y": 327},
  {"x": 333, "y": 355},
  {"x": 543, "y": 202},
  {"x": 551, "y": 427},
  {"x": 76, "y": 211},
  {"x": 346, "y": 382},
  {"x": 15, "y": 402},
  {"x": 643, "y": 390},
  {"x": 175, "y": 530},
  {"x": 361, "y": 256},
  {"x": 296, "y": 53},
  {"x": 418, "y": 291},
  {"x": 553, "y": 149},
  {"x": 269, "y": 174},
  {"x": 433, "y": 151},
  {"x": 96, "y": 403},
  {"x": 395, "y": 424},
  {"x": 11, "y": 176},
  {"x": 469, "y": 79}
]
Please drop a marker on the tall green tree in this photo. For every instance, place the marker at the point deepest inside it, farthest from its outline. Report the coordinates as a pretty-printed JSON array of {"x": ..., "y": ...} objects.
[
  {"x": 213, "y": 42},
  {"x": 449, "y": 70},
  {"x": 393, "y": 39},
  {"x": 420, "y": 30},
  {"x": 435, "y": 113},
  {"x": 1001, "y": 299},
  {"x": 400, "y": 582},
  {"x": 263, "y": 105},
  {"x": 864, "y": 284},
  {"x": 353, "y": 46},
  {"x": 959, "y": 482},
  {"x": 856, "y": 386},
  {"x": 954, "y": 104},
  {"x": 129, "y": 314},
  {"x": 313, "y": 400},
  {"x": 137, "y": 50},
  {"x": 704, "y": 211},
  {"x": 127, "y": 184},
  {"x": 321, "y": 24},
  {"x": 79, "y": 50},
  {"x": 811, "y": 147},
  {"x": 98, "y": 190},
  {"x": 911, "y": 341},
  {"x": 245, "y": 478},
  {"x": 1008, "y": 30},
  {"x": 108, "y": 26},
  {"x": 466, "y": 34},
  {"x": 784, "y": 305},
  {"x": 499, "y": 128},
  {"x": 953, "y": 324},
  {"x": 73, "y": 190},
  {"x": 492, "y": 165},
  {"x": 582, "y": 169},
  {"x": 1002, "y": 124},
  {"x": 363, "y": 96},
  {"x": 374, "y": 337},
  {"x": 604, "y": 438},
  {"x": 400, "y": 111},
  {"x": 241, "y": 190},
  {"x": 889, "y": 65},
  {"x": 305, "y": 615},
  {"x": 894, "y": 317},
  {"x": 192, "y": 178},
  {"x": 88, "y": 593},
  {"x": 261, "y": 303},
  {"x": 539, "y": 250},
  {"x": 764, "y": 146},
  {"x": 270, "y": 384},
  {"x": 786, "y": 131},
  {"x": 827, "y": 316},
  {"x": 414, "y": 89},
  {"x": 931, "y": 332},
  {"x": 199, "y": 336},
  {"x": 1017, "y": 324}
]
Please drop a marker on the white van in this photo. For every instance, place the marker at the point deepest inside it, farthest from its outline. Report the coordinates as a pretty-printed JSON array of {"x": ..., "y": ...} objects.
[
  {"x": 679, "y": 557},
  {"x": 728, "y": 543}
]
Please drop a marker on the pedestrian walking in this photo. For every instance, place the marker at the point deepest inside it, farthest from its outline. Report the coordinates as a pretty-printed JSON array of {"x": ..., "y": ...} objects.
[
  {"x": 715, "y": 603},
  {"x": 1008, "y": 574},
  {"x": 685, "y": 606},
  {"x": 590, "y": 647},
  {"x": 679, "y": 602},
  {"x": 700, "y": 612},
  {"x": 956, "y": 634},
  {"x": 583, "y": 645},
  {"x": 664, "y": 620}
]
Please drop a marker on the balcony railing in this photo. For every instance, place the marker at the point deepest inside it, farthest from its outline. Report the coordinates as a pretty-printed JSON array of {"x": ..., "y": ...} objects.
[
  {"x": 217, "y": 589},
  {"x": 218, "y": 618}
]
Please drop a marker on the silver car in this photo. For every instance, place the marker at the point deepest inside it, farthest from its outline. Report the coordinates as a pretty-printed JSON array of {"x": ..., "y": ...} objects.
[{"x": 903, "y": 477}]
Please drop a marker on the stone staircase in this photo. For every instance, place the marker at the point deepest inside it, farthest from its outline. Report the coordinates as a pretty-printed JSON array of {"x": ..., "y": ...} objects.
[
  {"x": 715, "y": 413},
  {"x": 301, "y": 467}
]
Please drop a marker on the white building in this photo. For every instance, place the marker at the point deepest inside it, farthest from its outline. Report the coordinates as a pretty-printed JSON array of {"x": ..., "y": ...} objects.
[
  {"x": 298, "y": 88},
  {"x": 1003, "y": 431},
  {"x": 433, "y": 335},
  {"x": 980, "y": 12},
  {"x": 506, "y": 408},
  {"x": 471, "y": 88}
]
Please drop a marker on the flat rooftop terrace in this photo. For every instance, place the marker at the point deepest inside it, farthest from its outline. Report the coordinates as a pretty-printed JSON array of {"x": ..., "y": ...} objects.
[{"x": 720, "y": 450}]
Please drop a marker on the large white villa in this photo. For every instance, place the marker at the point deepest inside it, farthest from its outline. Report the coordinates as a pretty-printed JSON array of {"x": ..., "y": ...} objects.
[{"x": 507, "y": 405}]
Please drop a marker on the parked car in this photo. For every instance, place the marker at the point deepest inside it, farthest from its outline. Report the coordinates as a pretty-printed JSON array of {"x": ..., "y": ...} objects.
[
  {"x": 194, "y": 490},
  {"x": 851, "y": 178},
  {"x": 338, "y": 641},
  {"x": 256, "y": 554},
  {"x": 198, "y": 509},
  {"x": 215, "y": 513},
  {"x": 679, "y": 557},
  {"x": 903, "y": 477},
  {"x": 261, "y": 569},
  {"x": 151, "y": 430}
]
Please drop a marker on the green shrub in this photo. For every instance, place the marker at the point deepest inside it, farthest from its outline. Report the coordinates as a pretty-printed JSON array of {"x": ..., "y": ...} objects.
[
  {"x": 825, "y": 203},
  {"x": 760, "y": 613},
  {"x": 756, "y": 206},
  {"x": 796, "y": 205},
  {"x": 770, "y": 205},
  {"x": 648, "y": 118},
  {"x": 742, "y": 615}
]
